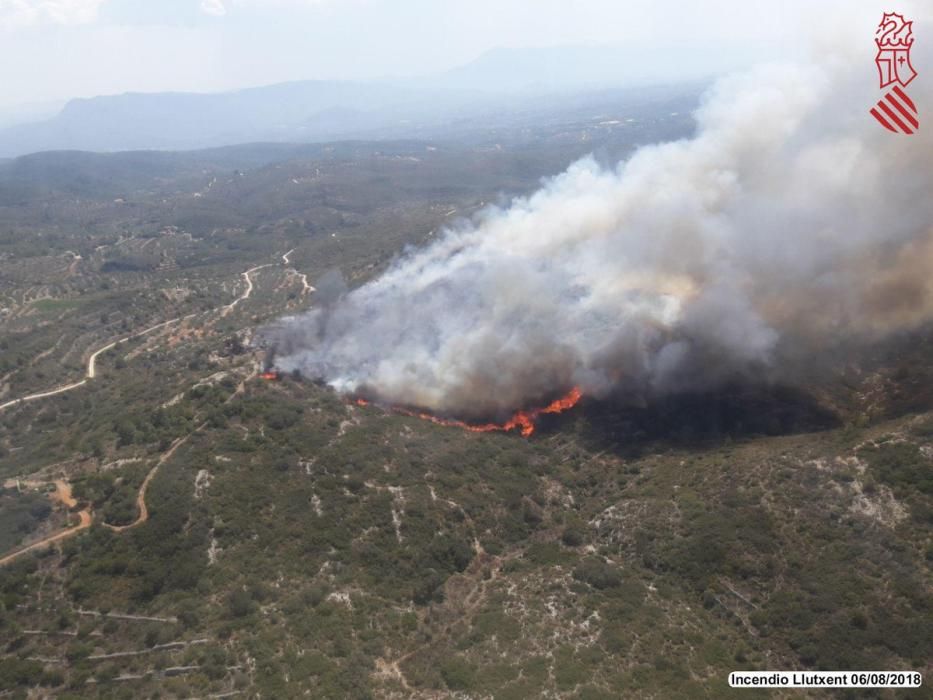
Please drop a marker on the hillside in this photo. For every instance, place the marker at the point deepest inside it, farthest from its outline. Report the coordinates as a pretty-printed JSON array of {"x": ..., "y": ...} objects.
[{"x": 212, "y": 533}]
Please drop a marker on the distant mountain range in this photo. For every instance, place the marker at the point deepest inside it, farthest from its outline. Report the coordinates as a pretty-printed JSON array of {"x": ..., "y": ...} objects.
[
  {"x": 563, "y": 68},
  {"x": 298, "y": 111},
  {"x": 500, "y": 81}
]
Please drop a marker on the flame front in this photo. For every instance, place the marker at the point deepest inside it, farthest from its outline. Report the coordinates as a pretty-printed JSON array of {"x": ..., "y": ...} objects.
[{"x": 523, "y": 420}]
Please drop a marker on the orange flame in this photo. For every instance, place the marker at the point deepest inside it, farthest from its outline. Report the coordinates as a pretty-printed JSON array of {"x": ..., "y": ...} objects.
[
  {"x": 523, "y": 420},
  {"x": 271, "y": 376}
]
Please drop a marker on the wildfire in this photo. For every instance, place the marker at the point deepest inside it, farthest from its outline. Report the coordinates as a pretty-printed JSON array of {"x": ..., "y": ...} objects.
[
  {"x": 269, "y": 376},
  {"x": 523, "y": 420}
]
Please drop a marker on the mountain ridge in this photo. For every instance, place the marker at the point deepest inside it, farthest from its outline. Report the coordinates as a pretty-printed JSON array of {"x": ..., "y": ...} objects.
[{"x": 502, "y": 81}]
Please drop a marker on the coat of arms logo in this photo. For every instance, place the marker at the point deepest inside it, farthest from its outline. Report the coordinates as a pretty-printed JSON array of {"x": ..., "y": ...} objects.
[{"x": 894, "y": 38}]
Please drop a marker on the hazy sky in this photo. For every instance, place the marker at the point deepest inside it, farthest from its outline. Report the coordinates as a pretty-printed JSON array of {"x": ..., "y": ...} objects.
[{"x": 52, "y": 50}]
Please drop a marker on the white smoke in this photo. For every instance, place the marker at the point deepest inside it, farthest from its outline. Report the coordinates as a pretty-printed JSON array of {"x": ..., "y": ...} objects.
[{"x": 791, "y": 217}]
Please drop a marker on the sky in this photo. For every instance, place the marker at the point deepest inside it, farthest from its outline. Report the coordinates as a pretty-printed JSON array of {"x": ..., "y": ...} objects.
[{"x": 54, "y": 50}]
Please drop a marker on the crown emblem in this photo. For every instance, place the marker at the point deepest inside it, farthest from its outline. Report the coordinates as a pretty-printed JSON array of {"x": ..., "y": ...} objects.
[{"x": 896, "y": 32}]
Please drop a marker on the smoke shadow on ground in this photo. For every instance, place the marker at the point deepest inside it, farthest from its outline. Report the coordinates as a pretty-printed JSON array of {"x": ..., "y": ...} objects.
[{"x": 700, "y": 419}]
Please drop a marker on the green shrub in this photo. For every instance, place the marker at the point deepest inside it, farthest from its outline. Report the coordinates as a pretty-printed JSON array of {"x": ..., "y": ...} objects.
[
  {"x": 572, "y": 536},
  {"x": 597, "y": 573},
  {"x": 240, "y": 603},
  {"x": 458, "y": 674}
]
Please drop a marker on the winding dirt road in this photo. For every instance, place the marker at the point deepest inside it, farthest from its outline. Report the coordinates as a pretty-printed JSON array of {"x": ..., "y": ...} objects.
[
  {"x": 91, "y": 371},
  {"x": 305, "y": 287},
  {"x": 249, "y": 289},
  {"x": 86, "y": 516},
  {"x": 167, "y": 455},
  {"x": 141, "y": 496}
]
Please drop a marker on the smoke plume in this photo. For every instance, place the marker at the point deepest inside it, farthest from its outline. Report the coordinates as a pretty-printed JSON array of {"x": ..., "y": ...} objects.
[{"x": 789, "y": 220}]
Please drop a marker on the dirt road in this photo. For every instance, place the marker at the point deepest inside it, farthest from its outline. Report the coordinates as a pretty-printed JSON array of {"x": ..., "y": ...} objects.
[
  {"x": 305, "y": 287},
  {"x": 141, "y": 496},
  {"x": 167, "y": 455},
  {"x": 43, "y": 394},
  {"x": 91, "y": 370},
  {"x": 249, "y": 289}
]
